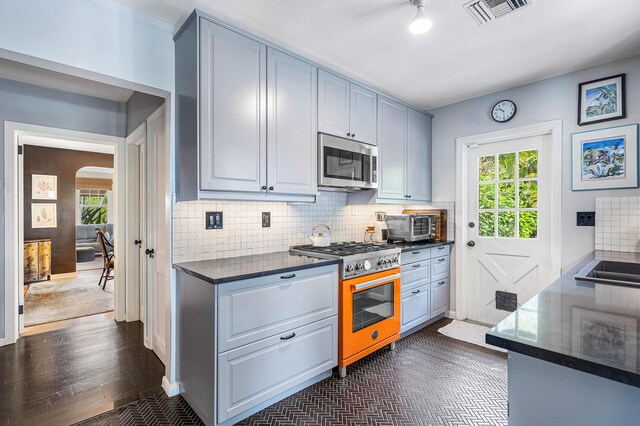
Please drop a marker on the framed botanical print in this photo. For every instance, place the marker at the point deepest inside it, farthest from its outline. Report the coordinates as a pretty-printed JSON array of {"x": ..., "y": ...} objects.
[
  {"x": 44, "y": 187},
  {"x": 605, "y": 158},
  {"x": 44, "y": 215},
  {"x": 601, "y": 100}
]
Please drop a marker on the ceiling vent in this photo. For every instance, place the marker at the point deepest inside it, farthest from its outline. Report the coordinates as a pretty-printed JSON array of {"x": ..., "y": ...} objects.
[{"x": 485, "y": 11}]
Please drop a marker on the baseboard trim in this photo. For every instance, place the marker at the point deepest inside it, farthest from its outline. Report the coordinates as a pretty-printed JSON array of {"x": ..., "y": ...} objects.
[
  {"x": 450, "y": 314},
  {"x": 171, "y": 389},
  {"x": 2, "y": 342}
]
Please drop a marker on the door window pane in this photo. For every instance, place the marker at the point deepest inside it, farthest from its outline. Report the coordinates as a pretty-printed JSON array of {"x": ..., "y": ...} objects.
[
  {"x": 487, "y": 224},
  {"x": 528, "y": 224},
  {"x": 528, "y": 164},
  {"x": 507, "y": 166},
  {"x": 487, "y": 198},
  {"x": 507, "y": 224},
  {"x": 507, "y": 195},
  {"x": 487, "y": 168},
  {"x": 528, "y": 194}
]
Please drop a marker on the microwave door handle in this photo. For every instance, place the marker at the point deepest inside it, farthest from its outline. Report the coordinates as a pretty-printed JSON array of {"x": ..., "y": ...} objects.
[{"x": 363, "y": 286}]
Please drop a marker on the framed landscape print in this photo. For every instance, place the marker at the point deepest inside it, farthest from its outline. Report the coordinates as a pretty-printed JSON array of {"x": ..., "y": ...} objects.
[
  {"x": 601, "y": 100},
  {"x": 605, "y": 159},
  {"x": 44, "y": 215},
  {"x": 44, "y": 187}
]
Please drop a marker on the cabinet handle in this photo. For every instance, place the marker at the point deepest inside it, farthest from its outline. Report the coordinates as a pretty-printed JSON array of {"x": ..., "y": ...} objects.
[
  {"x": 271, "y": 188},
  {"x": 353, "y": 135},
  {"x": 415, "y": 291},
  {"x": 416, "y": 266},
  {"x": 415, "y": 252},
  {"x": 287, "y": 277},
  {"x": 349, "y": 134},
  {"x": 263, "y": 188},
  {"x": 440, "y": 282},
  {"x": 441, "y": 260},
  {"x": 408, "y": 196},
  {"x": 291, "y": 336}
]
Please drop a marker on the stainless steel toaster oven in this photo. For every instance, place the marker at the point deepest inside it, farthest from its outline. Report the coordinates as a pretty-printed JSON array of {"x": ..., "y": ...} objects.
[{"x": 411, "y": 227}]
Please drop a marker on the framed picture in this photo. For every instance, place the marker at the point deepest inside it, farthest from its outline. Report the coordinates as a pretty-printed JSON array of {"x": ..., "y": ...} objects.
[
  {"x": 604, "y": 337},
  {"x": 44, "y": 215},
  {"x": 605, "y": 159},
  {"x": 44, "y": 187},
  {"x": 601, "y": 100}
]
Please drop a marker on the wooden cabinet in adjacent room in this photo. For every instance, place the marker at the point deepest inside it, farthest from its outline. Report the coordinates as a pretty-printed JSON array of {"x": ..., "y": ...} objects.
[{"x": 37, "y": 260}]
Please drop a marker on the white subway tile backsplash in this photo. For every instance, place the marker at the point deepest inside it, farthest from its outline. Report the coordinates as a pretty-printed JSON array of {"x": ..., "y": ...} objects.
[
  {"x": 618, "y": 224},
  {"x": 290, "y": 224}
]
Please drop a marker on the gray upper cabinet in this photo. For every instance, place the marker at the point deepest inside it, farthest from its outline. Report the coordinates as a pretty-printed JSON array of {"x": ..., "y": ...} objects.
[
  {"x": 346, "y": 109},
  {"x": 392, "y": 149},
  {"x": 292, "y": 112},
  {"x": 419, "y": 160},
  {"x": 232, "y": 110}
]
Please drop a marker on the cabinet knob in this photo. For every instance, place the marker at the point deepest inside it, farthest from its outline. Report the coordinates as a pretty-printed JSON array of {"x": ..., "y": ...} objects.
[
  {"x": 271, "y": 188},
  {"x": 263, "y": 188},
  {"x": 353, "y": 135},
  {"x": 349, "y": 134}
]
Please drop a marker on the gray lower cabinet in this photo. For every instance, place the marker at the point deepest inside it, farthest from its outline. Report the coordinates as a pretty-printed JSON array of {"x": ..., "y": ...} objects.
[
  {"x": 346, "y": 109},
  {"x": 259, "y": 371},
  {"x": 424, "y": 288}
]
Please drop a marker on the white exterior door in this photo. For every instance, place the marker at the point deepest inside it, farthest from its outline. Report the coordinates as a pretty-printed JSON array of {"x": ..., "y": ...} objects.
[
  {"x": 509, "y": 224},
  {"x": 157, "y": 244}
]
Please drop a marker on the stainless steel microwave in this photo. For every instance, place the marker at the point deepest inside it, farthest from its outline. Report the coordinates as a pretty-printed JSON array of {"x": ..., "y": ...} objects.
[{"x": 343, "y": 163}]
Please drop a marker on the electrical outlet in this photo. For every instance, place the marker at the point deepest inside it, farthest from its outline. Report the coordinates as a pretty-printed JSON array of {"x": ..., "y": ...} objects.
[
  {"x": 214, "y": 220},
  {"x": 266, "y": 219},
  {"x": 586, "y": 219}
]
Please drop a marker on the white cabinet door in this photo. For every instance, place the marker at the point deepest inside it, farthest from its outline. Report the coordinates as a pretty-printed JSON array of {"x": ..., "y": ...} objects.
[
  {"x": 419, "y": 156},
  {"x": 439, "y": 297},
  {"x": 259, "y": 371},
  {"x": 392, "y": 149},
  {"x": 363, "y": 114},
  {"x": 415, "y": 307},
  {"x": 333, "y": 104},
  {"x": 292, "y": 137},
  {"x": 232, "y": 110}
]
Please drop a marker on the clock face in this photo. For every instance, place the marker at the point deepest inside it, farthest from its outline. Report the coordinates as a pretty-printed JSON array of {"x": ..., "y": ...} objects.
[{"x": 503, "y": 111}]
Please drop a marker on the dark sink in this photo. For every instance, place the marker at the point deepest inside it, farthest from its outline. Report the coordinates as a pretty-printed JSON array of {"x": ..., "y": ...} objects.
[{"x": 611, "y": 272}]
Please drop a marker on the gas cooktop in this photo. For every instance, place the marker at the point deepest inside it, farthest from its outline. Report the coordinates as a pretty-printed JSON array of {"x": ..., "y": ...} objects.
[{"x": 359, "y": 258}]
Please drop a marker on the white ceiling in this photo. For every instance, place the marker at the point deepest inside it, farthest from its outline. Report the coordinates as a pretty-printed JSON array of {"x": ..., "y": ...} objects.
[
  {"x": 41, "y": 77},
  {"x": 456, "y": 60},
  {"x": 66, "y": 144}
]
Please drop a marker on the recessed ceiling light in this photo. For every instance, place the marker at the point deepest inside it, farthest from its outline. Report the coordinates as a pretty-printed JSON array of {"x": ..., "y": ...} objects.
[{"x": 421, "y": 22}]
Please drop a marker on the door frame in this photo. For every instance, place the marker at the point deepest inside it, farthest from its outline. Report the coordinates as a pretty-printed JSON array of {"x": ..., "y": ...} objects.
[
  {"x": 14, "y": 231},
  {"x": 552, "y": 128}
]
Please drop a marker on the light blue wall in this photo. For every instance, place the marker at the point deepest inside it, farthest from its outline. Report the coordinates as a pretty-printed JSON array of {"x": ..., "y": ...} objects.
[
  {"x": 29, "y": 104},
  {"x": 552, "y": 99}
]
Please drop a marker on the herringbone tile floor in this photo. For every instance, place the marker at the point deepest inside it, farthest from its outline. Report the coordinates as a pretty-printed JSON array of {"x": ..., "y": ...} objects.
[{"x": 429, "y": 380}]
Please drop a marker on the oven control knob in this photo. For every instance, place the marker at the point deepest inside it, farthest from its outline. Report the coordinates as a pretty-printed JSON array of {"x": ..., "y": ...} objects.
[
  {"x": 367, "y": 265},
  {"x": 381, "y": 262},
  {"x": 349, "y": 268}
]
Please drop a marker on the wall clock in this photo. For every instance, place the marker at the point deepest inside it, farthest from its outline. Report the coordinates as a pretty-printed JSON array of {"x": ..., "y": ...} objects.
[{"x": 504, "y": 111}]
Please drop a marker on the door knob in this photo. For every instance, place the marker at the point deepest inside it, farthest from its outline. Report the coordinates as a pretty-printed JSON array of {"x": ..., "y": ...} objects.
[
  {"x": 472, "y": 225},
  {"x": 150, "y": 252},
  {"x": 138, "y": 243},
  {"x": 471, "y": 243}
]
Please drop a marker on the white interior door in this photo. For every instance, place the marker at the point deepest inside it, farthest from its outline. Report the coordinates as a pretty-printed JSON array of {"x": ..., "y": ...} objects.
[
  {"x": 157, "y": 245},
  {"x": 133, "y": 230},
  {"x": 509, "y": 214}
]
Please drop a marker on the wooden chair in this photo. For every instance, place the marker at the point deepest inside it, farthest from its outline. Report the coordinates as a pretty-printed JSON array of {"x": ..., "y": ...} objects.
[{"x": 107, "y": 256}]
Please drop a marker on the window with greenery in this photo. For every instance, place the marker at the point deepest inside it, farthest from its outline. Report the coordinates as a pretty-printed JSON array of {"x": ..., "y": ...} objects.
[
  {"x": 93, "y": 206},
  {"x": 508, "y": 195}
]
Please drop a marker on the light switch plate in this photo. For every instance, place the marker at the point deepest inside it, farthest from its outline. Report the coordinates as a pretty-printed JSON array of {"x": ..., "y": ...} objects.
[
  {"x": 214, "y": 220},
  {"x": 266, "y": 219}
]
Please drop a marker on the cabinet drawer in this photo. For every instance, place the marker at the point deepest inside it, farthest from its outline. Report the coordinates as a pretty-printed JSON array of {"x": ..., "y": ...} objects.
[
  {"x": 415, "y": 275},
  {"x": 439, "y": 251},
  {"x": 439, "y": 268},
  {"x": 257, "y": 372},
  {"x": 257, "y": 308},
  {"x": 415, "y": 307},
  {"x": 439, "y": 297},
  {"x": 415, "y": 256}
]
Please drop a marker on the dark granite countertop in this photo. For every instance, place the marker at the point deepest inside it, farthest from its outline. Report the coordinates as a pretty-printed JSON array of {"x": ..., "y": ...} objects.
[
  {"x": 218, "y": 271},
  {"x": 420, "y": 246},
  {"x": 586, "y": 326}
]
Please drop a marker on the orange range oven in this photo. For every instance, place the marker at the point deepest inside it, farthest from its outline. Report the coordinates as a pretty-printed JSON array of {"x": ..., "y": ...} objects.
[{"x": 369, "y": 315}]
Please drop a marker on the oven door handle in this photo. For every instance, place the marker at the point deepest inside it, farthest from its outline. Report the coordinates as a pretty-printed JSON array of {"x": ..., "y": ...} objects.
[{"x": 358, "y": 287}]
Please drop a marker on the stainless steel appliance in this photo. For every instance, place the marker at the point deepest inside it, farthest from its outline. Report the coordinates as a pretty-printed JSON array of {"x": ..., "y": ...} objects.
[
  {"x": 411, "y": 227},
  {"x": 347, "y": 164},
  {"x": 369, "y": 297}
]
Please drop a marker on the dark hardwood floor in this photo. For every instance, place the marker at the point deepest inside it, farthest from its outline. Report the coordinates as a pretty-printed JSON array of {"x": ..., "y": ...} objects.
[{"x": 64, "y": 376}]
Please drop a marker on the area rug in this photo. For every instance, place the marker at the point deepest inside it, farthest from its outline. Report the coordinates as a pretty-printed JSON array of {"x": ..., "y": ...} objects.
[
  {"x": 467, "y": 332},
  {"x": 50, "y": 301},
  {"x": 98, "y": 263}
]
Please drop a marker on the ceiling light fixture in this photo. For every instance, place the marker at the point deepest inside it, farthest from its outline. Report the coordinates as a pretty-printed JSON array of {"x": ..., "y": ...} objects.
[{"x": 421, "y": 22}]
